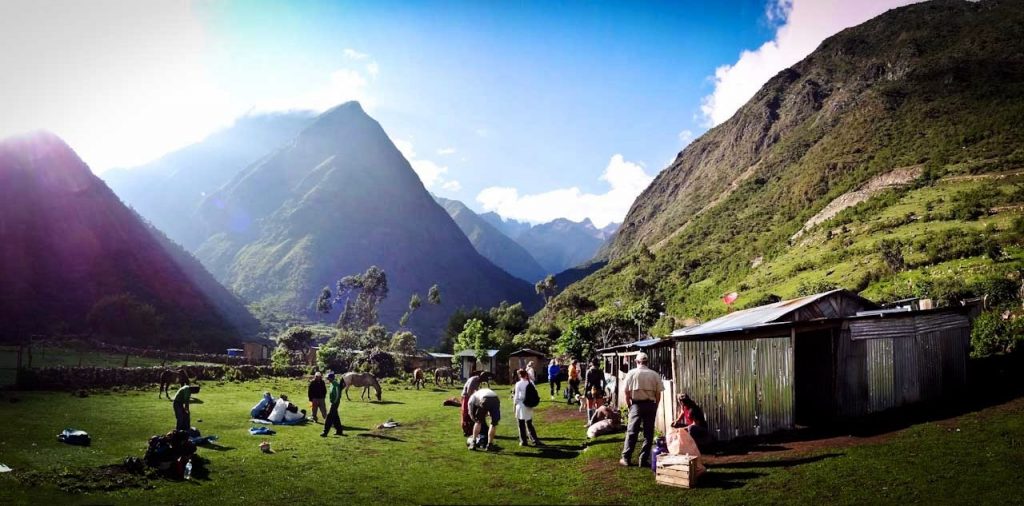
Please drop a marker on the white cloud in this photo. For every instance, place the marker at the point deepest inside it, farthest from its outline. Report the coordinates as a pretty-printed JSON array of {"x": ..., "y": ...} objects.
[
  {"x": 373, "y": 69},
  {"x": 432, "y": 175},
  {"x": 807, "y": 23},
  {"x": 352, "y": 54},
  {"x": 446, "y": 151},
  {"x": 626, "y": 180},
  {"x": 685, "y": 138}
]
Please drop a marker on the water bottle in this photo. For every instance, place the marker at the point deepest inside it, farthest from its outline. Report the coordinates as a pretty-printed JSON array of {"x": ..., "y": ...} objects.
[{"x": 188, "y": 470}]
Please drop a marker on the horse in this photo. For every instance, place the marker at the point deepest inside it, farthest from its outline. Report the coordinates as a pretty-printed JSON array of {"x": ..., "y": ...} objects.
[
  {"x": 445, "y": 373},
  {"x": 167, "y": 376},
  {"x": 417, "y": 378},
  {"x": 486, "y": 377},
  {"x": 361, "y": 379}
]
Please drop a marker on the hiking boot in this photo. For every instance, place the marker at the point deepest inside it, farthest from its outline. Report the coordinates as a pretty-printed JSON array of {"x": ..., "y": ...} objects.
[
  {"x": 339, "y": 433},
  {"x": 323, "y": 434},
  {"x": 537, "y": 442},
  {"x": 624, "y": 463},
  {"x": 490, "y": 448}
]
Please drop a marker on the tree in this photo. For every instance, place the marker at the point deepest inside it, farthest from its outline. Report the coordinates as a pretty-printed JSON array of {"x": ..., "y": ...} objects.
[
  {"x": 511, "y": 318},
  {"x": 296, "y": 340},
  {"x": 324, "y": 302},
  {"x": 403, "y": 342},
  {"x": 371, "y": 288},
  {"x": 124, "y": 318},
  {"x": 892, "y": 254},
  {"x": 414, "y": 303},
  {"x": 457, "y": 322},
  {"x": 473, "y": 337},
  {"x": 375, "y": 337},
  {"x": 547, "y": 288},
  {"x": 434, "y": 295}
]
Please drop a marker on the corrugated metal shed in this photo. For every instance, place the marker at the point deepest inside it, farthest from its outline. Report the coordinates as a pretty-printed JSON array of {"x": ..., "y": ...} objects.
[{"x": 832, "y": 304}]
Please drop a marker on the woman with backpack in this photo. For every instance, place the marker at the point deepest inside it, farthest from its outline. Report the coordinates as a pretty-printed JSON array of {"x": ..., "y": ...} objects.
[{"x": 526, "y": 397}]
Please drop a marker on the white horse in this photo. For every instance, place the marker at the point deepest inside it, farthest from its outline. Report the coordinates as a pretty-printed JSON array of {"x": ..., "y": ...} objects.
[{"x": 361, "y": 379}]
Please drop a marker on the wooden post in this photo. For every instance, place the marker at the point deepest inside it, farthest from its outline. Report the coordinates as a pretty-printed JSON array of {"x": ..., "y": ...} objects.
[
  {"x": 80, "y": 353},
  {"x": 126, "y": 359}
]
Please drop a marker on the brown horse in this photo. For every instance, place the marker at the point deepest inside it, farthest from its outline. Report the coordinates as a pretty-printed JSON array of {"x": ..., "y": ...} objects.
[
  {"x": 444, "y": 373},
  {"x": 168, "y": 376},
  {"x": 361, "y": 379},
  {"x": 417, "y": 378}
]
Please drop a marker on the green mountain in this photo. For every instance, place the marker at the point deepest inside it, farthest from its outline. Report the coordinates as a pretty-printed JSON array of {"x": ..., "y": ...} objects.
[
  {"x": 171, "y": 188},
  {"x": 76, "y": 260},
  {"x": 890, "y": 161},
  {"x": 337, "y": 199},
  {"x": 495, "y": 246}
]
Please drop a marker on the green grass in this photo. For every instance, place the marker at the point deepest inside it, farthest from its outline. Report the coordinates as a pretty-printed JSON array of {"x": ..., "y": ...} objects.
[{"x": 425, "y": 460}]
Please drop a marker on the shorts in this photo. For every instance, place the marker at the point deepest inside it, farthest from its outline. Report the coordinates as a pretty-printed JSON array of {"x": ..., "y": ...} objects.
[{"x": 490, "y": 406}]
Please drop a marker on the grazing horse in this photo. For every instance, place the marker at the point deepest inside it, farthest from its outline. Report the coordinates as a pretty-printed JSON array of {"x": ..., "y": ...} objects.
[
  {"x": 167, "y": 376},
  {"x": 361, "y": 379},
  {"x": 486, "y": 377},
  {"x": 417, "y": 378},
  {"x": 445, "y": 373}
]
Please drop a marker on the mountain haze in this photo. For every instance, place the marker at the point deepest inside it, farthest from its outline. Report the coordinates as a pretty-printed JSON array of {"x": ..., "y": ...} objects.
[
  {"x": 337, "y": 199},
  {"x": 167, "y": 191},
  {"x": 67, "y": 243},
  {"x": 493, "y": 244}
]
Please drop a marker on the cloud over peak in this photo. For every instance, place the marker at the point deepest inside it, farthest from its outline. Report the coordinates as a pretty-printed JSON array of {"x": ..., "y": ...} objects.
[
  {"x": 804, "y": 25},
  {"x": 626, "y": 180}
]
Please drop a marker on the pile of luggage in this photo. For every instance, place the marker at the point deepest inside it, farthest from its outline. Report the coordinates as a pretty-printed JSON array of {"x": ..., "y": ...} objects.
[{"x": 171, "y": 453}]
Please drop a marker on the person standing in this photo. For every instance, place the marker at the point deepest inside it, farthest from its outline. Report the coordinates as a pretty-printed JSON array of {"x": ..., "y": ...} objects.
[
  {"x": 483, "y": 403},
  {"x": 182, "y": 411},
  {"x": 317, "y": 393},
  {"x": 333, "y": 419},
  {"x": 574, "y": 381},
  {"x": 553, "y": 380},
  {"x": 530, "y": 371},
  {"x": 523, "y": 395},
  {"x": 643, "y": 389},
  {"x": 594, "y": 388},
  {"x": 468, "y": 389}
]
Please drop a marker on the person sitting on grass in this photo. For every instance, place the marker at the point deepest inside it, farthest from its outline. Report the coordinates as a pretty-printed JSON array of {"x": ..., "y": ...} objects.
[
  {"x": 262, "y": 409},
  {"x": 286, "y": 412},
  {"x": 182, "y": 412},
  {"x": 483, "y": 403},
  {"x": 691, "y": 418}
]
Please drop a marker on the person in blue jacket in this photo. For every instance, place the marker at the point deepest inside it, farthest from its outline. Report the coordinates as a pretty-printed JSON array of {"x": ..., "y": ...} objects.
[{"x": 553, "y": 379}]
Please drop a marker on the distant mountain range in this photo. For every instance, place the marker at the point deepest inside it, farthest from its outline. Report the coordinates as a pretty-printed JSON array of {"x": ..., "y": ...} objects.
[
  {"x": 493, "y": 244},
  {"x": 168, "y": 190},
  {"x": 70, "y": 248},
  {"x": 557, "y": 245},
  {"x": 336, "y": 199}
]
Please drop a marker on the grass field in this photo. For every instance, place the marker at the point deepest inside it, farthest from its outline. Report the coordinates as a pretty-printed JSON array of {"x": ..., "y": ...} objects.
[{"x": 974, "y": 458}]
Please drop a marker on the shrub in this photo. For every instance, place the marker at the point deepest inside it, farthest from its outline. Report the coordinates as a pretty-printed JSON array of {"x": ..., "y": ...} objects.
[
  {"x": 993, "y": 334},
  {"x": 812, "y": 287},
  {"x": 379, "y": 363}
]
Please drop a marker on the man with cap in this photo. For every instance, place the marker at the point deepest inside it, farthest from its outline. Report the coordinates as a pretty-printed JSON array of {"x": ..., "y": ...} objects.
[
  {"x": 317, "y": 393},
  {"x": 333, "y": 420},
  {"x": 643, "y": 389}
]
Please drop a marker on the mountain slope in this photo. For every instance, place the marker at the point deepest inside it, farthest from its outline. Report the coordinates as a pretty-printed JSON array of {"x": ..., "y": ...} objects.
[
  {"x": 492, "y": 244},
  {"x": 934, "y": 88},
  {"x": 67, "y": 242},
  {"x": 172, "y": 187},
  {"x": 336, "y": 200}
]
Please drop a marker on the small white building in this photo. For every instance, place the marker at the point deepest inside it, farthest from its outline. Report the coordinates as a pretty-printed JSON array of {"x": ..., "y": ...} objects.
[{"x": 468, "y": 363}]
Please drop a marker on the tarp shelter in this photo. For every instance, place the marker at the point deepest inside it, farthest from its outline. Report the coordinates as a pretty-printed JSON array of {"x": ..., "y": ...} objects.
[
  {"x": 619, "y": 360},
  {"x": 817, "y": 358},
  {"x": 468, "y": 362},
  {"x": 520, "y": 358}
]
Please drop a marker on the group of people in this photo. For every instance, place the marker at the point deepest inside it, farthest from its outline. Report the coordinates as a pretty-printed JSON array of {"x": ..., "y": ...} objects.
[
  {"x": 280, "y": 410},
  {"x": 283, "y": 411}
]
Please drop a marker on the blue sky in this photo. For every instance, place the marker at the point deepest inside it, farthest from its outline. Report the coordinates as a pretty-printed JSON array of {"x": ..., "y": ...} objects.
[{"x": 534, "y": 109}]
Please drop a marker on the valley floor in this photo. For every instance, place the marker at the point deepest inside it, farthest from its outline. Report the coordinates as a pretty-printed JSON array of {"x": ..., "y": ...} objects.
[{"x": 977, "y": 457}]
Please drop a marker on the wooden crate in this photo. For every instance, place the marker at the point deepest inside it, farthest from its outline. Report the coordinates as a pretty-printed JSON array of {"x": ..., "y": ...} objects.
[{"x": 676, "y": 471}]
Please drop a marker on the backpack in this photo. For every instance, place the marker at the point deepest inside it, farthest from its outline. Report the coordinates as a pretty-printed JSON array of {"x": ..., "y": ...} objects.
[{"x": 532, "y": 398}]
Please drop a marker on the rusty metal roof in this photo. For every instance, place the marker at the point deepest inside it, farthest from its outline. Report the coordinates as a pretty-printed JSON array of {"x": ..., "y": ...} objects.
[{"x": 754, "y": 317}]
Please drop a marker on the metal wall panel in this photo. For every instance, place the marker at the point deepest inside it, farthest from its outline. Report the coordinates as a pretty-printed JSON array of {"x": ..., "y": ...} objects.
[
  {"x": 881, "y": 391},
  {"x": 905, "y": 371},
  {"x": 875, "y": 328},
  {"x": 744, "y": 386}
]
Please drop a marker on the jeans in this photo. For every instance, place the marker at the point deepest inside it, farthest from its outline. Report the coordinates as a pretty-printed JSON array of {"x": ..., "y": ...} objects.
[
  {"x": 640, "y": 413},
  {"x": 556, "y": 386},
  {"x": 318, "y": 405},
  {"x": 574, "y": 390},
  {"x": 182, "y": 418},
  {"x": 333, "y": 419}
]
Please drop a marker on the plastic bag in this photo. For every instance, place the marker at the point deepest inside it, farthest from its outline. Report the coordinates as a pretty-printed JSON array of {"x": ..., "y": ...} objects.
[{"x": 75, "y": 437}]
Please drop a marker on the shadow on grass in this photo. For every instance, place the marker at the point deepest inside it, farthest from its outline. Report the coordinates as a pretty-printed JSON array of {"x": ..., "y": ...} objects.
[
  {"x": 381, "y": 436},
  {"x": 547, "y": 453},
  {"x": 606, "y": 441},
  {"x": 775, "y": 463},
  {"x": 385, "y": 403},
  {"x": 726, "y": 481},
  {"x": 216, "y": 447},
  {"x": 355, "y": 429}
]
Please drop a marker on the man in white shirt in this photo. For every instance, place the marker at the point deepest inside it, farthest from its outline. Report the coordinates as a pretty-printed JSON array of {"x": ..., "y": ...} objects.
[
  {"x": 643, "y": 389},
  {"x": 483, "y": 403}
]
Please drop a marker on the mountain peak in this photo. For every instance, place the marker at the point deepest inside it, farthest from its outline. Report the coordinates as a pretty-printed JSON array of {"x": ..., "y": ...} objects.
[{"x": 47, "y": 155}]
